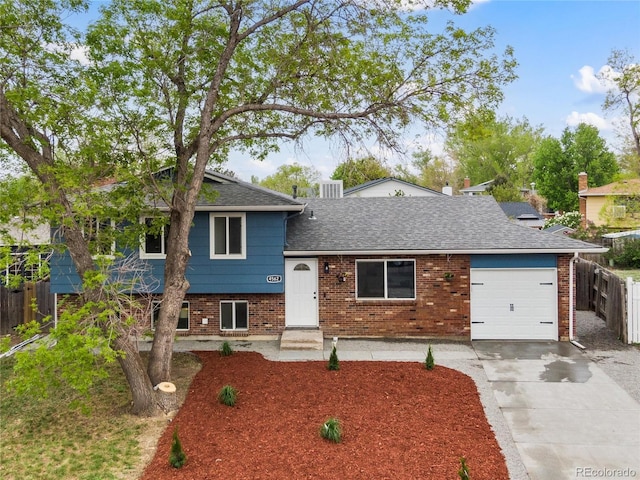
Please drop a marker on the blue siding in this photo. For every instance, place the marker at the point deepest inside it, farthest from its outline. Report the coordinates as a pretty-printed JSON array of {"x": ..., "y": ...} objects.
[
  {"x": 544, "y": 260},
  {"x": 265, "y": 244}
]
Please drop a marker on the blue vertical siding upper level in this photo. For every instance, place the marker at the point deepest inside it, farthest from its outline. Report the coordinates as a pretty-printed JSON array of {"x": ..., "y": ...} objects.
[{"x": 265, "y": 237}]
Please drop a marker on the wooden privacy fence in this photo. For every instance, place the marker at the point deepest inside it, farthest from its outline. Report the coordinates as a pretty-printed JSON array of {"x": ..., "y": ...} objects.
[
  {"x": 16, "y": 305},
  {"x": 613, "y": 299}
]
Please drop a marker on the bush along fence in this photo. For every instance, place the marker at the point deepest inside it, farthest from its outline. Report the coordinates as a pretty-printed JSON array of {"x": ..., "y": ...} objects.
[{"x": 612, "y": 298}]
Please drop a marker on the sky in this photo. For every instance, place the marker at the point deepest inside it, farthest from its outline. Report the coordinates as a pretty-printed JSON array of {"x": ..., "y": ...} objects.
[{"x": 560, "y": 47}]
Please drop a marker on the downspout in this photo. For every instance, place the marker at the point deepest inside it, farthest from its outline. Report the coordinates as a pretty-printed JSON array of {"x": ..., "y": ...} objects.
[
  {"x": 571, "y": 300},
  {"x": 286, "y": 221}
]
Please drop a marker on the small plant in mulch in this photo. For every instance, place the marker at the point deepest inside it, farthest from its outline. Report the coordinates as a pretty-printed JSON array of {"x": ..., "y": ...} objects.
[
  {"x": 463, "y": 473},
  {"x": 177, "y": 457},
  {"x": 429, "y": 362},
  {"x": 228, "y": 395},
  {"x": 225, "y": 349},
  {"x": 331, "y": 430},
  {"x": 334, "y": 363}
]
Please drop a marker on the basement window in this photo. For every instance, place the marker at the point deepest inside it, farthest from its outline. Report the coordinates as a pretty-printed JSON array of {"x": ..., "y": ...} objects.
[
  {"x": 183, "y": 320},
  {"x": 234, "y": 315}
]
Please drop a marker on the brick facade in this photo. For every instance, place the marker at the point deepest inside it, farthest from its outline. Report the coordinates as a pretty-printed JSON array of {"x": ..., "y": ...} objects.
[{"x": 441, "y": 307}]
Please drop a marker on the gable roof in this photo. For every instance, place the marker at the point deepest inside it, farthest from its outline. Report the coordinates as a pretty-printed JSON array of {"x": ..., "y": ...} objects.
[
  {"x": 623, "y": 187},
  {"x": 233, "y": 194},
  {"x": 417, "y": 225},
  {"x": 380, "y": 181}
]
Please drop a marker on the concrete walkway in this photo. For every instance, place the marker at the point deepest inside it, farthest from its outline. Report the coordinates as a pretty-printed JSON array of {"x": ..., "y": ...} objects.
[
  {"x": 555, "y": 413},
  {"x": 567, "y": 417}
]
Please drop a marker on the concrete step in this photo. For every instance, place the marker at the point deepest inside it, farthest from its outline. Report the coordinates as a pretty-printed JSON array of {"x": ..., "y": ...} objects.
[{"x": 302, "y": 340}]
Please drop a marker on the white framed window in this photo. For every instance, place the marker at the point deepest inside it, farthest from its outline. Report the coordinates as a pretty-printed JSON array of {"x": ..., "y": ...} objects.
[
  {"x": 99, "y": 233},
  {"x": 154, "y": 241},
  {"x": 234, "y": 315},
  {"x": 227, "y": 235},
  {"x": 619, "y": 211},
  {"x": 183, "y": 320},
  {"x": 386, "y": 279}
]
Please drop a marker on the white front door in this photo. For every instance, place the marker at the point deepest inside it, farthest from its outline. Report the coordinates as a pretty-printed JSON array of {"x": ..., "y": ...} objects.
[{"x": 301, "y": 292}]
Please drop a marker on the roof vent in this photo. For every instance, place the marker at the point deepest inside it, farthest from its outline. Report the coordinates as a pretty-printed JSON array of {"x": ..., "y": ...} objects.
[{"x": 331, "y": 189}]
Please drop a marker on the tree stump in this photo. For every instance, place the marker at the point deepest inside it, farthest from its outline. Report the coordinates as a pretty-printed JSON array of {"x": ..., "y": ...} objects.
[{"x": 166, "y": 396}]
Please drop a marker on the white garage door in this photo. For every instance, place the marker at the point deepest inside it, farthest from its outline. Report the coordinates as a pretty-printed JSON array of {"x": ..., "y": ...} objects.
[{"x": 514, "y": 304}]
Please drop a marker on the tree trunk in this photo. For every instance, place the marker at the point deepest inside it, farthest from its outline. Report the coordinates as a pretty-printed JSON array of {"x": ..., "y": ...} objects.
[
  {"x": 176, "y": 286},
  {"x": 142, "y": 394}
]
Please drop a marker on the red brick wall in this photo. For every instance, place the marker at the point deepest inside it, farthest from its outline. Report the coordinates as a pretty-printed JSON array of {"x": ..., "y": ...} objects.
[
  {"x": 441, "y": 308},
  {"x": 563, "y": 297}
]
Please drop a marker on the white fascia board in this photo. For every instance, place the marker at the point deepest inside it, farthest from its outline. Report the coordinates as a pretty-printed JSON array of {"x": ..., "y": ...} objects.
[
  {"x": 244, "y": 208},
  {"x": 298, "y": 253}
]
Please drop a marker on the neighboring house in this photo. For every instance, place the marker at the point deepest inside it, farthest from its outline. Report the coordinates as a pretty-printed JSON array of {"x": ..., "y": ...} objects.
[
  {"x": 560, "y": 230},
  {"x": 390, "y": 187},
  {"x": 616, "y": 205},
  {"x": 474, "y": 190},
  {"x": 20, "y": 241},
  {"x": 523, "y": 213},
  {"x": 436, "y": 266}
]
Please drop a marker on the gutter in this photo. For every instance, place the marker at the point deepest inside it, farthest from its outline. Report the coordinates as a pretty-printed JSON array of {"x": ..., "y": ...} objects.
[
  {"x": 571, "y": 300},
  {"x": 503, "y": 251}
]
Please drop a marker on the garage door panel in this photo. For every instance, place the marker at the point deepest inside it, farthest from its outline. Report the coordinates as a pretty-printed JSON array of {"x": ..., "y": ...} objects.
[{"x": 514, "y": 304}]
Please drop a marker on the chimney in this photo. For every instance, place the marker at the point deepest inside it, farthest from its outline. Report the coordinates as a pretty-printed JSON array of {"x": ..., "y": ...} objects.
[
  {"x": 583, "y": 186},
  {"x": 467, "y": 182},
  {"x": 582, "y": 181},
  {"x": 447, "y": 190}
]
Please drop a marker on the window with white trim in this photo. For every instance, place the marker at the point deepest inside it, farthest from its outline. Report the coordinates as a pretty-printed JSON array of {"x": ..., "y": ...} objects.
[
  {"x": 183, "y": 319},
  {"x": 99, "y": 234},
  {"x": 154, "y": 241},
  {"x": 234, "y": 315},
  {"x": 386, "y": 279},
  {"x": 228, "y": 235}
]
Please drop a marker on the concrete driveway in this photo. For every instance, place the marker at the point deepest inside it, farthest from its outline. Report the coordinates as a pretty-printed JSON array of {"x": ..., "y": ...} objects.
[{"x": 567, "y": 417}]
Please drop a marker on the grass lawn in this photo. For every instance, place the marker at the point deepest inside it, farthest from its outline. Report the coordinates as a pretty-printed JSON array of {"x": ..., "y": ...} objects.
[
  {"x": 633, "y": 273},
  {"x": 45, "y": 439}
]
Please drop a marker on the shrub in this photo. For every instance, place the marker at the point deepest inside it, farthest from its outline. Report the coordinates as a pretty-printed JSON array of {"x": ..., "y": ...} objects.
[
  {"x": 331, "y": 430},
  {"x": 225, "y": 349},
  {"x": 227, "y": 395},
  {"x": 334, "y": 364},
  {"x": 628, "y": 256},
  {"x": 177, "y": 457},
  {"x": 429, "y": 362},
  {"x": 463, "y": 473}
]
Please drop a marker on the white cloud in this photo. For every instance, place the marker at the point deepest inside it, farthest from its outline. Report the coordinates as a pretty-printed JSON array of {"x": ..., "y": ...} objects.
[
  {"x": 591, "y": 82},
  {"x": 589, "y": 118}
]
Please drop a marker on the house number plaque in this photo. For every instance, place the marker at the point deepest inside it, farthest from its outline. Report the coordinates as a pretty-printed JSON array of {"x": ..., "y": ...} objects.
[{"x": 274, "y": 278}]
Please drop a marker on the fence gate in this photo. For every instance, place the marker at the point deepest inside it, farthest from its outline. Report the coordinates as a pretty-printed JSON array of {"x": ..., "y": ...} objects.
[{"x": 16, "y": 306}]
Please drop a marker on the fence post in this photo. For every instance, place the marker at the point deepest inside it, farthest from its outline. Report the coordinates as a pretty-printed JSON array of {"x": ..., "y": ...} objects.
[{"x": 633, "y": 316}]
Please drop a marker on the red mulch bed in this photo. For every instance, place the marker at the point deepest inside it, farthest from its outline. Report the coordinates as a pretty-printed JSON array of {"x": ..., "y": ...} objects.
[{"x": 399, "y": 421}]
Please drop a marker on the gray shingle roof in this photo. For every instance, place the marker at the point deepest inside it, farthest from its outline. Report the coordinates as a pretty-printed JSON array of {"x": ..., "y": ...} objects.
[{"x": 459, "y": 224}]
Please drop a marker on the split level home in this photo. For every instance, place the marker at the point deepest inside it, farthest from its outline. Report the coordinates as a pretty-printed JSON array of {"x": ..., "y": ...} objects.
[{"x": 407, "y": 266}]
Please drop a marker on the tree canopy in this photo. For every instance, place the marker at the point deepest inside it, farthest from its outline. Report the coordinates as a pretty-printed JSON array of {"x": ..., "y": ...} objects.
[
  {"x": 357, "y": 171},
  {"x": 180, "y": 84},
  {"x": 558, "y": 162},
  {"x": 304, "y": 178},
  {"x": 623, "y": 75},
  {"x": 488, "y": 148}
]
